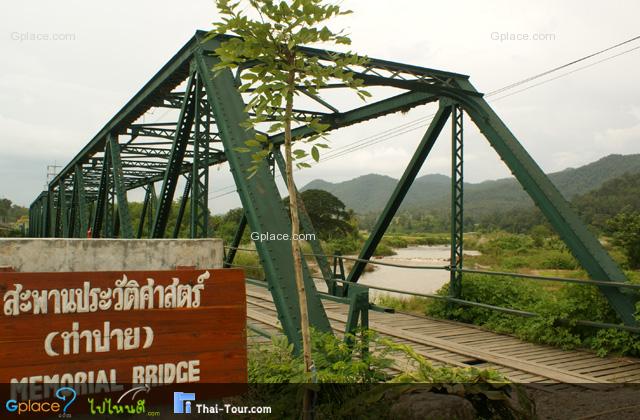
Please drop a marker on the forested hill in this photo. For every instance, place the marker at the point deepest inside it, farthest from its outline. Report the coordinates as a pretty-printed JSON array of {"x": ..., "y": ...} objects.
[{"x": 369, "y": 193}]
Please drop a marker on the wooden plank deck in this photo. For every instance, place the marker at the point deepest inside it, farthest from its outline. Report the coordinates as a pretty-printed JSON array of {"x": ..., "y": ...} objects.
[{"x": 452, "y": 343}]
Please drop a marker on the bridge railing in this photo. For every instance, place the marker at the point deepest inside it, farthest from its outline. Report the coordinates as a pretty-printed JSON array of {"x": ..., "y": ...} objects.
[{"x": 463, "y": 302}]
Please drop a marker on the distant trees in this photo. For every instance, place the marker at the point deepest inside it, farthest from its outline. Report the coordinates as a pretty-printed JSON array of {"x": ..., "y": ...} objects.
[
  {"x": 328, "y": 214},
  {"x": 11, "y": 217},
  {"x": 625, "y": 229},
  {"x": 9, "y": 212}
]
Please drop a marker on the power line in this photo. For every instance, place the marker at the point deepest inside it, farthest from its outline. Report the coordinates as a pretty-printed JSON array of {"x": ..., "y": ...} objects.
[
  {"x": 422, "y": 122},
  {"x": 566, "y": 74},
  {"x": 553, "y": 70}
]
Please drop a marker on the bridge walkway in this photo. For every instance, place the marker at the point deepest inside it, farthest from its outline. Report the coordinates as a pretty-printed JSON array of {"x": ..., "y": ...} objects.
[{"x": 452, "y": 343}]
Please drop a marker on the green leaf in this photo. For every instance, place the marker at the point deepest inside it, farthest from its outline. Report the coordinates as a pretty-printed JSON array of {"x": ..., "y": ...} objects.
[
  {"x": 252, "y": 143},
  {"x": 315, "y": 154}
]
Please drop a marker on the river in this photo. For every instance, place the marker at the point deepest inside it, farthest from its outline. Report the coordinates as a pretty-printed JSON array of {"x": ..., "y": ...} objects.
[{"x": 408, "y": 279}]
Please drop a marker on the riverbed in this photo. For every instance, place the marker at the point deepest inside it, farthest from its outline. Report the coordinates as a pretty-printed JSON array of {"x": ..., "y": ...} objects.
[{"x": 411, "y": 279}]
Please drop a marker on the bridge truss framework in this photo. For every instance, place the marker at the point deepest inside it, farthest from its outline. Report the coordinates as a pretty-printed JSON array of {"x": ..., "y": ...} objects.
[{"x": 90, "y": 193}]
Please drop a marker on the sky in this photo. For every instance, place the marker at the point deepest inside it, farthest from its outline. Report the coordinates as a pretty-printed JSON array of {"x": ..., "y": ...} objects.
[{"x": 56, "y": 94}]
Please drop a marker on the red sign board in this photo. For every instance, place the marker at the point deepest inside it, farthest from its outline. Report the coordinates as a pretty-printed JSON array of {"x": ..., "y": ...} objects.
[{"x": 145, "y": 327}]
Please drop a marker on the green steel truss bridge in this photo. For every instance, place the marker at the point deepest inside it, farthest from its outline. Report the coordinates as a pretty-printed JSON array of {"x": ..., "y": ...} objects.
[{"x": 90, "y": 192}]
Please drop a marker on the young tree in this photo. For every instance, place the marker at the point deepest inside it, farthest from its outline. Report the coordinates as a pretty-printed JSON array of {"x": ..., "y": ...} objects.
[{"x": 275, "y": 70}]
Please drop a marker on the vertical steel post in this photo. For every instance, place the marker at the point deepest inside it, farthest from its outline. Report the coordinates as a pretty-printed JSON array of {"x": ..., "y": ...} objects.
[
  {"x": 101, "y": 205},
  {"x": 145, "y": 210},
  {"x": 58, "y": 230},
  {"x": 124, "y": 216},
  {"x": 46, "y": 214},
  {"x": 199, "y": 178},
  {"x": 64, "y": 209},
  {"x": 109, "y": 214},
  {"x": 82, "y": 214},
  {"x": 457, "y": 189}
]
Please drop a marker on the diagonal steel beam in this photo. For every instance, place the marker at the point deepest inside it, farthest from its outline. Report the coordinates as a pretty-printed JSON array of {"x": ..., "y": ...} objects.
[
  {"x": 169, "y": 183},
  {"x": 582, "y": 243},
  {"x": 307, "y": 226},
  {"x": 261, "y": 201},
  {"x": 420, "y": 155}
]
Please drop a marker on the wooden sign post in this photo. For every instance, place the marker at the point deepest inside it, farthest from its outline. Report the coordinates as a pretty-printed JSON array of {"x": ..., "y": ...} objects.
[{"x": 141, "y": 327}]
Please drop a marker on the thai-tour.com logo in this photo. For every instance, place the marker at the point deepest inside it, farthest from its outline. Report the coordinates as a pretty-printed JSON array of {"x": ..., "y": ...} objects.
[
  {"x": 185, "y": 403},
  {"x": 65, "y": 394},
  {"x": 182, "y": 402}
]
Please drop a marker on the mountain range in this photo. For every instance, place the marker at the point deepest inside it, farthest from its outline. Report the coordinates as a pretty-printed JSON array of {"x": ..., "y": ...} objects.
[{"x": 369, "y": 193}]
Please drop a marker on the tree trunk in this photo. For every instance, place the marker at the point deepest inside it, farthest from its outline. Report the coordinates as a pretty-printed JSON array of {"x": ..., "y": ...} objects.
[{"x": 295, "y": 244}]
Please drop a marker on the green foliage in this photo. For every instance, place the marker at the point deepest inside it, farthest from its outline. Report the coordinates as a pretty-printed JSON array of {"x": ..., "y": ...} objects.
[
  {"x": 500, "y": 204},
  {"x": 328, "y": 214},
  {"x": 11, "y": 217},
  {"x": 336, "y": 363},
  {"x": 552, "y": 301},
  {"x": 625, "y": 228},
  {"x": 275, "y": 363},
  {"x": 604, "y": 203},
  {"x": 280, "y": 69},
  {"x": 488, "y": 391}
]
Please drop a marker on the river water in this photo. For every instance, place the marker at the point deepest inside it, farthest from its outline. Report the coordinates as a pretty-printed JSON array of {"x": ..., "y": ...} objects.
[{"x": 408, "y": 279}]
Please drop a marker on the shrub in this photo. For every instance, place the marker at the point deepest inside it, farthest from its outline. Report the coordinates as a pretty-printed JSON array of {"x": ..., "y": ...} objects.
[{"x": 557, "y": 260}]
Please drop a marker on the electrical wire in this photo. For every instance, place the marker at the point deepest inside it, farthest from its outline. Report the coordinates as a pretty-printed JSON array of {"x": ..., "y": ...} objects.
[{"x": 419, "y": 123}]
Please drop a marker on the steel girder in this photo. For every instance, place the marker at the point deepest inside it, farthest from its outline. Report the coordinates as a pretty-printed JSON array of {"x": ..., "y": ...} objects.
[
  {"x": 124, "y": 218},
  {"x": 400, "y": 191},
  {"x": 261, "y": 201},
  {"x": 183, "y": 206},
  {"x": 144, "y": 163},
  {"x": 199, "y": 176},
  {"x": 172, "y": 172},
  {"x": 457, "y": 192},
  {"x": 307, "y": 226},
  {"x": 573, "y": 231}
]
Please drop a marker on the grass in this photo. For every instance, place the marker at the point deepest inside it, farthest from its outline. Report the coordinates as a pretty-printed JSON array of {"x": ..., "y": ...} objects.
[{"x": 552, "y": 300}]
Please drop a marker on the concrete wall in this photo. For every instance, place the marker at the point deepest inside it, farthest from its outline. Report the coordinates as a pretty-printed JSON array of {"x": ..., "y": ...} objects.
[{"x": 54, "y": 254}]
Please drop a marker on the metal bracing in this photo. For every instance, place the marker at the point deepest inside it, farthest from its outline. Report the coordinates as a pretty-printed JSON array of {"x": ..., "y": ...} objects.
[
  {"x": 103, "y": 196},
  {"x": 145, "y": 210},
  {"x": 457, "y": 190},
  {"x": 124, "y": 217},
  {"x": 73, "y": 210},
  {"x": 420, "y": 155},
  {"x": 305, "y": 222},
  {"x": 183, "y": 206},
  {"x": 47, "y": 209},
  {"x": 199, "y": 177},
  {"x": 237, "y": 237},
  {"x": 573, "y": 231},
  {"x": 159, "y": 152},
  {"x": 163, "y": 133},
  {"x": 81, "y": 214},
  {"x": 261, "y": 201},
  {"x": 61, "y": 221},
  {"x": 172, "y": 172}
]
